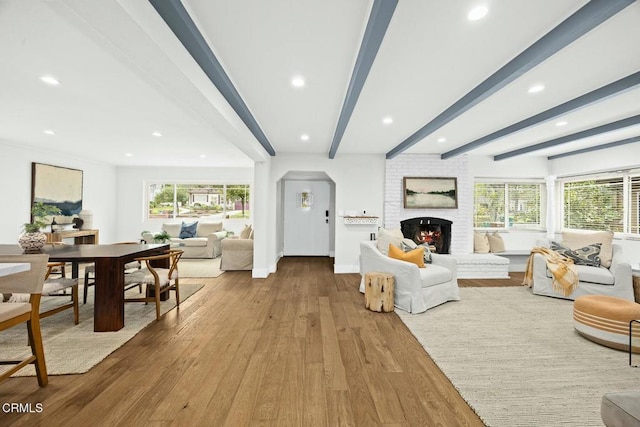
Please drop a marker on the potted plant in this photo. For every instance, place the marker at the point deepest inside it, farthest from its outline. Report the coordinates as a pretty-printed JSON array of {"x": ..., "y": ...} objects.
[
  {"x": 161, "y": 237},
  {"x": 33, "y": 239}
]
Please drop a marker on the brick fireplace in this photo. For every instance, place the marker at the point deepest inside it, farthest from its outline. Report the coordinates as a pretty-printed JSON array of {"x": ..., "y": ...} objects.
[{"x": 436, "y": 232}]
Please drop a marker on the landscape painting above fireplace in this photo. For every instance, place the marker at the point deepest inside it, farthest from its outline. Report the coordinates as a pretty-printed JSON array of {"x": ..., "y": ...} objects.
[{"x": 430, "y": 193}]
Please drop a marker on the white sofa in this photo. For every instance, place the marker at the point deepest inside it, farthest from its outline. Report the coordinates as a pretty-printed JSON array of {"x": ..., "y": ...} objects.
[
  {"x": 416, "y": 289},
  {"x": 206, "y": 243},
  {"x": 616, "y": 280}
]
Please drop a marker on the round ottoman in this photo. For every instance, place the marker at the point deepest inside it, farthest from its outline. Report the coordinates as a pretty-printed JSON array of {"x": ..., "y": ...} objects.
[{"x": 605, "y": 320}]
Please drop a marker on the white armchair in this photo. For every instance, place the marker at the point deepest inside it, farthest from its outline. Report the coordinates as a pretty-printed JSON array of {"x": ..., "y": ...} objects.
[
  {"x": 615, "y": 281},
  {"x": 416, "y": 289}
]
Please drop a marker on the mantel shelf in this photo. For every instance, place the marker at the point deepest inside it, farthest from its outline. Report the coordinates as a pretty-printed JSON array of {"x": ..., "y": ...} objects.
[{"x": 361, "y": 220}]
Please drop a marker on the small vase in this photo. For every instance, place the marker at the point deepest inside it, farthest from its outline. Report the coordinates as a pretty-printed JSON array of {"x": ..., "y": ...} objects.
[{"x": 32, "y": 242}]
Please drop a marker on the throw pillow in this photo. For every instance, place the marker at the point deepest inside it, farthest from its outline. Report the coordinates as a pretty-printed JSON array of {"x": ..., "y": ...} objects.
[
  {"x": 386, "y": 237},
  {"x": 579, "y": 239},
  {"x": 587, "y": 255},
  {"x": 496, "y": 244},
  {"x": 246, "y": 231},
  {"x": 408, "y": 245},
  {"x": 188, "y": 230},
  {"x": 415, "y": 256},
  {"x": 480, "y": 243}
]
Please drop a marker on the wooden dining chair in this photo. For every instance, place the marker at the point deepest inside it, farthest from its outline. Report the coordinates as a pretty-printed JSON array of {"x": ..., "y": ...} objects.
[
  {"x": 90, "y": 273},
  {"x": 157, "y": 280},
  {"x": 13, "y": 314}
]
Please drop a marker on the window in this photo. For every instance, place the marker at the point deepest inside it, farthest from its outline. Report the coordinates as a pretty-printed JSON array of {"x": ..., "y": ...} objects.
[
  {"x": 508, "y": 205},
  {"x": 599, "y": 204},
  {"x": 210, "y": 201}
]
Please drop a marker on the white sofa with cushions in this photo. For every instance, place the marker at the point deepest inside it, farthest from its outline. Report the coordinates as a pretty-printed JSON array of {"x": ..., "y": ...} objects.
[
  {"x": 204, "y": 244},
  {"x": 613, "y": 277}
]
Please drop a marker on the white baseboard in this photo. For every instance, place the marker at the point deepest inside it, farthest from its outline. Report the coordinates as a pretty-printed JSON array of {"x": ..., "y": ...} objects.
[
  {"x": 259, "y": 273},
  {"x": 343, "y": 269}
]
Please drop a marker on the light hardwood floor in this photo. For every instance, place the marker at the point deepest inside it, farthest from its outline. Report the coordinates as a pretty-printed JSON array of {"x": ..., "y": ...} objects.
[{"x": 296, "y": 349}]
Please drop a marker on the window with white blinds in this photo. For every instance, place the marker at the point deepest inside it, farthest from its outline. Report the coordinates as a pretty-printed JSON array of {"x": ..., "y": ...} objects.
[
  {"x": 508, "y": 205},
  {"x": 634, "y": 208},
  {"x": 596, "y": 204}
]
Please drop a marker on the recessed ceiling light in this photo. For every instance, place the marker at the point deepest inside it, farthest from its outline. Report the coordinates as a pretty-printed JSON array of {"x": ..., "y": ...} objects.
[
  {"x": 478, "y": 12},
  {"x": 156, "y": 134},
  {"x": 129, "y": 155},
  {"x": 50, "y": 80},
  {"x": 297, "y": 81},
  {"x": 536, "y": 88},
  {"x": 304, "y": 137},
  {"x": 561, "y": 123},
  {"x": 387, "y": 120},
  {"x": 202, "y": 156},
  {"x": 442, "y": 139},
  {"x": 49, "y": 132}
]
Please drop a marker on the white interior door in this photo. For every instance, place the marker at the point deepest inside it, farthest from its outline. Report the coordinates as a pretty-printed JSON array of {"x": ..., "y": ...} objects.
[{"x": 306, "y": 218}]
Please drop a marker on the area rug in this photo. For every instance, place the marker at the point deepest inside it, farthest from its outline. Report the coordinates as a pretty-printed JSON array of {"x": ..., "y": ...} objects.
[
  {"x": 516, "y": 359},
  {"x": 192, "y": 267},
  {"x": 74, "y": 349}
]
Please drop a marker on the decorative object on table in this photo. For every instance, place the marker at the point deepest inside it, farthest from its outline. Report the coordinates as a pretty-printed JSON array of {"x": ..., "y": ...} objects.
[
  {"x": 77, "y": 223},
  {"x": 57, "y": 186},
  {"x": 87, "y": 219},
  {"x": 430, "y": 193},
  {"x": 33, "y": 240}
]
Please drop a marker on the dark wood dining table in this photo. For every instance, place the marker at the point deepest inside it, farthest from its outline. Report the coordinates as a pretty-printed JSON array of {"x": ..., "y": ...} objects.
[{"x": 108, "y": 311}]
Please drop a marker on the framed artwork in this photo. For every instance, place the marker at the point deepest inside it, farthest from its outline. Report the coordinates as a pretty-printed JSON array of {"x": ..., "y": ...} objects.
[
  {"x": 57, "y": 186},
  {"x": 430, "y": 193},
  {"x": 306, "y": 199}
]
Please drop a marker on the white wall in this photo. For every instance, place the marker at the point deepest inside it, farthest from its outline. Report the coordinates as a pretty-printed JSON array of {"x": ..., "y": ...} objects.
[
  {"x": 516, "y": 167},
  {"x": 99, "y": 193},
  {"x": 359, "y": 185},
  {"x": 624, "y": 157},
  {"x": 131, "y": 210}
]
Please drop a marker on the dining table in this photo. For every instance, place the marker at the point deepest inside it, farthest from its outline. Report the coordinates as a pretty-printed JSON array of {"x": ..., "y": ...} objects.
[{"x": 109, "y": 260}]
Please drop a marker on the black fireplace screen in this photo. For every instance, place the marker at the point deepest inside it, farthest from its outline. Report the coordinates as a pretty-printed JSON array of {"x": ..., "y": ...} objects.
[{"x": 435, "y": 232}]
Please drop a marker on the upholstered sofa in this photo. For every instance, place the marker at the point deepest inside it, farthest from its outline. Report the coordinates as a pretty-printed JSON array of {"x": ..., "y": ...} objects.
[
  {"x": 612, "y": 278},
  {"x": 416, "y": 289},
  {"x": 205, "y": 243},
  {"x": 237, "y": 251}
]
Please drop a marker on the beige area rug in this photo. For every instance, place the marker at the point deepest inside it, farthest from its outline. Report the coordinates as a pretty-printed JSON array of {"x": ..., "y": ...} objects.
[
  {"x": 516, "y": 359},
  {"x": 74, "y": 349},
  {"x": 192, "y": 267}
]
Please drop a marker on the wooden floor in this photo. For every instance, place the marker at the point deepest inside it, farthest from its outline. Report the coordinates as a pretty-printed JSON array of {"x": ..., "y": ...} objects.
[{"x": 295, "y": 349}]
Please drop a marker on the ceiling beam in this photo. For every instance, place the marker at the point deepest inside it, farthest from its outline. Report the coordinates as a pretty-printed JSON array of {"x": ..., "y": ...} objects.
[
  {"x": 609, "y": 127},
  {"x": 615, "y": 88},
  {"x": 581, "y": 22},
  {"x": 379, "y": 18},
  {"x": 177, "y": 18},
  {"x": 596, "y": 148}
]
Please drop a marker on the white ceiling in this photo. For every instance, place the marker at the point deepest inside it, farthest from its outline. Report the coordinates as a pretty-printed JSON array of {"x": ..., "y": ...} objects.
[{"x": 124, "y": 75}]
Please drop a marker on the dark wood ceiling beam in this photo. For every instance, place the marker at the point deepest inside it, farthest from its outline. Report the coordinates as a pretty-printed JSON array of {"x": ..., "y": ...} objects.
[
  {"x": 177, "y": 18},
  {"x": 379, "y": 19},
  {"x": 609, "y": 127},
  {"x": 581, "y": 22},
  {"x": 597, "y": 148},
  {"x": 612, "y": 89}
]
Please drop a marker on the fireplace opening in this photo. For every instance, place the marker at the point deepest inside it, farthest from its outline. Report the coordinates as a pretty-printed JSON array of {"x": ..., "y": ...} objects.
[{"x": 434, "y": 232}]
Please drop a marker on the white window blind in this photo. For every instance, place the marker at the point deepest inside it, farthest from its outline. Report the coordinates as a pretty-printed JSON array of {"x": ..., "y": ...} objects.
[
  {"x": 634, "y": 209},
  {"x": 524, "y": 205},
  {"x": 489, "y": 205},
  {"x": 508, "y": 205}
]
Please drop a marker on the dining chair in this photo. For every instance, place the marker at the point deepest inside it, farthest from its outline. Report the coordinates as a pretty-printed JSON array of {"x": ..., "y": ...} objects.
[
  {"x": 90, "y": 273},
  {"x": 157, "y": 280},
  {"x": 15, "y": 314}
]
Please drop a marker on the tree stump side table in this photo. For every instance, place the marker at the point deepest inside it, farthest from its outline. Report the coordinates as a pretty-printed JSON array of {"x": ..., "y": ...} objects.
[{"x": 378, "y": 291}]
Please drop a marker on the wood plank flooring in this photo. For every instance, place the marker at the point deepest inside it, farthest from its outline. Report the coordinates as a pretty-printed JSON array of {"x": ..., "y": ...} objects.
[{"x": 295, "y": 349}]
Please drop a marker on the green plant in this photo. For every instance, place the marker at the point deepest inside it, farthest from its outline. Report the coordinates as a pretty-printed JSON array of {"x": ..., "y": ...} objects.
[
  {"x": 161, "y": 237},
  {"x": 39, "y": 212}
]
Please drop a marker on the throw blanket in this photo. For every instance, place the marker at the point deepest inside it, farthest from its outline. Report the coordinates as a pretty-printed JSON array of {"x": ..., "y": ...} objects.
[{"x": 565, "y": 277}]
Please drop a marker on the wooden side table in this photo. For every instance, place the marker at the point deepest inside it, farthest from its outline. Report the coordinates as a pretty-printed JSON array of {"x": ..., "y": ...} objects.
[
  {"x": 635, "y": 271},
  {"x": 378, "y": 291}
]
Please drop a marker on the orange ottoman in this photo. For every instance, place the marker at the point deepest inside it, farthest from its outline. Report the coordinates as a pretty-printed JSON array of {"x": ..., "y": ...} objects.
[{"x": 605, "y": 320}]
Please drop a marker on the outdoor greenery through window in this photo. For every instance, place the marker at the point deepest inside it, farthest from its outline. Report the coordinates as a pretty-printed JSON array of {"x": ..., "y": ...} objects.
[
  {"x": 208, "y": 201},
  {"x": 596, "y": 204},
  {"x": 508, "y": 205}
]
